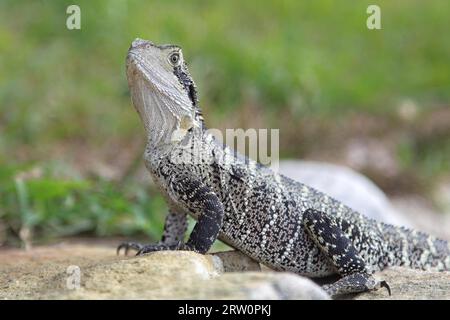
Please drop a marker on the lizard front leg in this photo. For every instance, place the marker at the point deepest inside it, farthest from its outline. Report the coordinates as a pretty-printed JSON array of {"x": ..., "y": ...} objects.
[
  {"x": 175, "y": 227},
  {"x": 327, "y": 234},
  {"x": 200, "y": 199}
]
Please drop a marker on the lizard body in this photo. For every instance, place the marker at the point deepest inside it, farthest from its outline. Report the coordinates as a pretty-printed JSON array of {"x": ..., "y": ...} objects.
[{"x": 275, "y": 220}]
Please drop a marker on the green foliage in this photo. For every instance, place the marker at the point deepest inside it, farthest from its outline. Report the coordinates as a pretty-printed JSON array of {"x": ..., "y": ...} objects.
[
  {"x": 309, "y": 57},
  {"x": 52, "y": 207}
]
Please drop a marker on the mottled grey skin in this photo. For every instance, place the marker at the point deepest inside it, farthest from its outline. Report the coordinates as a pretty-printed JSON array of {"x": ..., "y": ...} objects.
[{"x": 275, "y": 220}]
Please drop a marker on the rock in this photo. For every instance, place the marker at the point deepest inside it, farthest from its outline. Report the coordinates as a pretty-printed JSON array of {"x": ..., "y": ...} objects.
[
  {"x": 41, "y": 273},
  {"x": 286, "y": 286},
  {"x": 361, "y": 194},
  {"x": 234, "y": 260},
  {"x": 346, "y": 185},
  {"x": 424, "y": 216},
  {"x": 48, "y": 273},
  {"x": 442, "y": 195},
  {"x": 408, "y": 284}
]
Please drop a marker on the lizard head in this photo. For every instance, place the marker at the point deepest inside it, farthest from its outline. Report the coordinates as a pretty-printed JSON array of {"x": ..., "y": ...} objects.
[{"x": 162, "y": 91}]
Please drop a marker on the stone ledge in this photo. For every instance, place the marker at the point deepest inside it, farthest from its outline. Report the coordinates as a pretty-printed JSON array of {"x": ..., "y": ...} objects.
[{"x": 41, "y": 273}]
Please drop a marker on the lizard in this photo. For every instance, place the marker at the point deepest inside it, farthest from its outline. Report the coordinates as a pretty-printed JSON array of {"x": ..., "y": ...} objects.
[{"x": 279, "y": 222}]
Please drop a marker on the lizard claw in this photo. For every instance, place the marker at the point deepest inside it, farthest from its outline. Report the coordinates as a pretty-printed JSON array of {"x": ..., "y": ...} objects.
[
  {"x": 160, "y": 247},
  {"x": 150, "y": 248},
  {"x": 384, "y": 284},
  {"x": 129, "y": 245}
]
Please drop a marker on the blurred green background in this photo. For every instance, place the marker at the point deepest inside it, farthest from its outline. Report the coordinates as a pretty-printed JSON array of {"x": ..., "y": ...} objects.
[{"x": 71, "y": 143}]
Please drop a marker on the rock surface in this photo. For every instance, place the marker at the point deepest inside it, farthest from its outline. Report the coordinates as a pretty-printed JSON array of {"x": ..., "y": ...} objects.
[
  {"x": 407, "y": 284},
  {"x": 346, "y": 185},
  {"x": 48, "y": 273},
  {"x": 361, "y": 194}
]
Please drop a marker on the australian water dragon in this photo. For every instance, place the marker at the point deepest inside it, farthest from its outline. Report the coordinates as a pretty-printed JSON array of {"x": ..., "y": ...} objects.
[{"x": 275, "y": 220}]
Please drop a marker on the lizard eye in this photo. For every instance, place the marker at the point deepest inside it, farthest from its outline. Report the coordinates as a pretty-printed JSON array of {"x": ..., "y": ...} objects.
[{"x": 174, "y": 58}]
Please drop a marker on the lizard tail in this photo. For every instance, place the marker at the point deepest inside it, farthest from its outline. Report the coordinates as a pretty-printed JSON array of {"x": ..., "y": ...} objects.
[{"x": 415, "y": 249}]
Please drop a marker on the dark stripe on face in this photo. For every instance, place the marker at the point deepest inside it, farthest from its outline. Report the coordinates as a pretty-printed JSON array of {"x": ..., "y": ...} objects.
[{"x": 186, "y": 81}]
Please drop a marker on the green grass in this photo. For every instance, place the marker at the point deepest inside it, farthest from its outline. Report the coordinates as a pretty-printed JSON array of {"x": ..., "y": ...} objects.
[
  {"x": 307, "y": 59},
  {"x": 54, "y": 207}
]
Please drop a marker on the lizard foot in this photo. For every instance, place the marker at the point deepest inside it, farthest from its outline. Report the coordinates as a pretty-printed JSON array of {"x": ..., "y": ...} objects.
[
  {"x": 355, "y": 283},
  {"x": 129, "y": 245},
  {"x": 147, "y": 248},
  {"x": 160, "y": 247}
]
